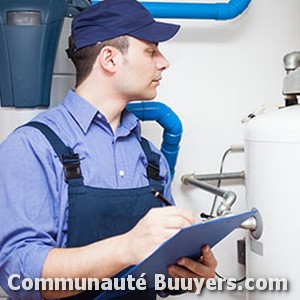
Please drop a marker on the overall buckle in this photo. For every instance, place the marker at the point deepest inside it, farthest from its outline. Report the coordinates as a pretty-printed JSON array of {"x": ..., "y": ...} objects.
[
  {"x": 71, "y": 163},
  {"x": 153, "y": 171}
]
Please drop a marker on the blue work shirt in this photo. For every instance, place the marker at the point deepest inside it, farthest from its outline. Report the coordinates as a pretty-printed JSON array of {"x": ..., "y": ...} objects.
[{"x": 33, "y": 192}]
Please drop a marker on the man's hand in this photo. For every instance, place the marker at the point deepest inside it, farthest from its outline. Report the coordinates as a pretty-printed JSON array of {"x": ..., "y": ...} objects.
[
  {"x": 202, "y": 268},
  {"x": 154, "y": 228}
]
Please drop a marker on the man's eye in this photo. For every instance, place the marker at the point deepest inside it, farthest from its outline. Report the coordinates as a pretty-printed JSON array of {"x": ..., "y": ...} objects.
[{"x": 152, "y": 52}]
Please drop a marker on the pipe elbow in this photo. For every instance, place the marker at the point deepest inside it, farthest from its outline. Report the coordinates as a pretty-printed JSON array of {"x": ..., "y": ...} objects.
[
  {"x": 190, "y": 10},
  {"x": 159, "y": 112},
  {"x": 172, "y": 125},
  {"x": 163, "y": 115},
  {"x": 232, "y": 9},
  {"x": 225, "y": 206}
]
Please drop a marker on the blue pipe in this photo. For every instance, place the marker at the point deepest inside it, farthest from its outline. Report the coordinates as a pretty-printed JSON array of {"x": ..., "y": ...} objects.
[
  {"x": 163, "y": 115},
  {"x": 183, "y": 10}
]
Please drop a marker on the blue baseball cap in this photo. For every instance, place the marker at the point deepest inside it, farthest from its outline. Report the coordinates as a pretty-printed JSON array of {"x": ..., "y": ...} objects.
[{"x": 112, "y": 18}]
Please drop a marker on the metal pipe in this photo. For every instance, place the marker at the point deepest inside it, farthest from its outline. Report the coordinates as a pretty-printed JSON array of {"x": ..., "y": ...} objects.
[
  {"x": 190, "y": 179},
  {"x": 226, "y": 204},
  {"x": 250, "y": 224},
  {"x": 221, "y": 176},
  {"x": 185, "y": 10},
  {"x": 253, "y": 224},
  {"x": 228, "y": 196}
]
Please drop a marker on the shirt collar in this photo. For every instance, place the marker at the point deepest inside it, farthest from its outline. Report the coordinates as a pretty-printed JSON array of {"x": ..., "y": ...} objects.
[
  {"x": 131, "y": 122},
  {"x": 81, "y": 110},
  {"x": 84, "y": 113}
]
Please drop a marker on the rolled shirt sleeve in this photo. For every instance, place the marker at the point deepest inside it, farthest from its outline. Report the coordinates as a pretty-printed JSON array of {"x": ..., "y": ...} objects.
[{"x": 29, "y": 214}]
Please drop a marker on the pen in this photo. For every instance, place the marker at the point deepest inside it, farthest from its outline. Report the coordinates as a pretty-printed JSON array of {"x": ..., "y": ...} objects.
[{"x": 159, "y": 196}]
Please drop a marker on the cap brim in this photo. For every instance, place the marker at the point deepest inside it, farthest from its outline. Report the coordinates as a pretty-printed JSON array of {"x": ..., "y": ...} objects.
[{"x": 156, "y": 32}]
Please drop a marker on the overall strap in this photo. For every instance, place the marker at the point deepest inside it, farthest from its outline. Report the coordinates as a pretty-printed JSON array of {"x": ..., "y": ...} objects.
[
  {"x": 153, "y": 161},
  {"x": 69, "y": 159}
]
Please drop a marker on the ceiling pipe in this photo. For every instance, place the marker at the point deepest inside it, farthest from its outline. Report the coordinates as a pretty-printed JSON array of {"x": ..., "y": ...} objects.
[
  {"x": 188, "y": 10},
  {"x": 183, "y": 10}
]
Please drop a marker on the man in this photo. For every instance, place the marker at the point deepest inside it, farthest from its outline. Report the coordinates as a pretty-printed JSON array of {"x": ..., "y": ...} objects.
[{"x": 76, "y": 182}]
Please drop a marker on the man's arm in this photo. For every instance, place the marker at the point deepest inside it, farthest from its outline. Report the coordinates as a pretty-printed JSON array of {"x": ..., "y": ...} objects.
[{"x": 106, "y": 258}]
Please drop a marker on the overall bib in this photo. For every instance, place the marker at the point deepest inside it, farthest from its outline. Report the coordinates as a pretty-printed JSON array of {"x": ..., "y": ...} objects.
[{"x": 100, "y": 213}]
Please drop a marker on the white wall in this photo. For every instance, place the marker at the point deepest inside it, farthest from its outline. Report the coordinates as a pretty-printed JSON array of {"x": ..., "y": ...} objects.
[{"x": 220, "y": 72}]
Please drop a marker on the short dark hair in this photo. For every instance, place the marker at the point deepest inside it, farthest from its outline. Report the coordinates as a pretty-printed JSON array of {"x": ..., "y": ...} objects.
[{"x": 84, "y": 58}]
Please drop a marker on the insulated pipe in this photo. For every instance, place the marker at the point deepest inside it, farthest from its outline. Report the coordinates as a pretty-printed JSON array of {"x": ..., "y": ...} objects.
[
  {"x": 182, "y": 10},
  {"x": 163, "y": 115}
]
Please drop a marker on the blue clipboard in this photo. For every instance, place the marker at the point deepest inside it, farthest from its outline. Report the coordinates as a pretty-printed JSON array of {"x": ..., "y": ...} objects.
[{"x": 186, "y": 243}]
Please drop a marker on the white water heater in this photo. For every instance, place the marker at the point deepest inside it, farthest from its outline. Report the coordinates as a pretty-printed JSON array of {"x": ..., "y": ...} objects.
[{"x": 272, "y": 148}]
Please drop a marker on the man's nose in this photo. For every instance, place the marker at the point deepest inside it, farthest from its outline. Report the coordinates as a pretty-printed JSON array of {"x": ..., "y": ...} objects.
[{"x": 162, "y": 63}]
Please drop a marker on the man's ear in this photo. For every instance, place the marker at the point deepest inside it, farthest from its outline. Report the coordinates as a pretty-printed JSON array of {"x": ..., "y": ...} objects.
[{"x": 108, "y": 58}]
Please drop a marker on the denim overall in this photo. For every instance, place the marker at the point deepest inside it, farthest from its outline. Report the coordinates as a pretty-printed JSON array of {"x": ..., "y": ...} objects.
[{"x": 100, "y": 213}]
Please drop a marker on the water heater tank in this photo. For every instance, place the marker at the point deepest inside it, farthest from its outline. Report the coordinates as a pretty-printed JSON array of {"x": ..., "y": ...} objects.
[{"x": 272, "y": 148}]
